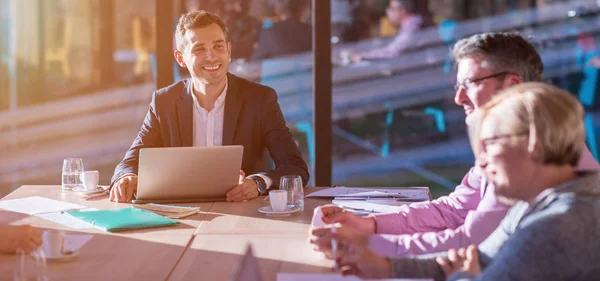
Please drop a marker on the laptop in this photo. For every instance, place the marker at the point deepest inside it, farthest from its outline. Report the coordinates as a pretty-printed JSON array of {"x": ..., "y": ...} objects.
[{"x": 187, "y": 174}]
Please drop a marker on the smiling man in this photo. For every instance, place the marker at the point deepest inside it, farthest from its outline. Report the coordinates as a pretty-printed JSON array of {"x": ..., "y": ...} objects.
[{"x": 214, "y": 108}]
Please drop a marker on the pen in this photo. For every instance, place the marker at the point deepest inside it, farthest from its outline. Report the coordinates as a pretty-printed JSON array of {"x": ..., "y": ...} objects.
[{"x": 336, "y": 267}]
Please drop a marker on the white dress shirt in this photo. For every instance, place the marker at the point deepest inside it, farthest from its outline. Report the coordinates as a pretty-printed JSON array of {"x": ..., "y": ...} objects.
[{"x": 208, "y": 125}]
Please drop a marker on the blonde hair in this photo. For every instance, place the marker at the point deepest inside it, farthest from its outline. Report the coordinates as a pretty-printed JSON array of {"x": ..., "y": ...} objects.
[{"x": 550, "y": 117}]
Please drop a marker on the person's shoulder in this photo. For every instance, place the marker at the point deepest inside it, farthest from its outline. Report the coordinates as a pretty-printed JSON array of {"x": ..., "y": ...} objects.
[{"x": 173, "y": 90}]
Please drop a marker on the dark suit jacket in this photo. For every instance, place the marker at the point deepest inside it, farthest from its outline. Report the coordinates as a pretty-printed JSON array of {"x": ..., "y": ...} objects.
[
  {"x": 283, "y": 38},
  {"x": 252, "y": 119}
]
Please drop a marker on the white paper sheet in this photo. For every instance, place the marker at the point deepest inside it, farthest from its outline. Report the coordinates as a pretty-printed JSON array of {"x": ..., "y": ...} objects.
[
  {"x": 37, "y": 205},
  {"x": 371, "y": 206},
  {"x": 74, "y": 242},
  {"x": 330, "y": 277},
  {"x": 416, "y": 193},
  {"x": 67, "y": 220},
  {"x": 317, "y": 219}
]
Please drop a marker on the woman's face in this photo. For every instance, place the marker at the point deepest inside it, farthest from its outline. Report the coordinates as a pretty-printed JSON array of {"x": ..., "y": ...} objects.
[{"x": 504, "y": 157}]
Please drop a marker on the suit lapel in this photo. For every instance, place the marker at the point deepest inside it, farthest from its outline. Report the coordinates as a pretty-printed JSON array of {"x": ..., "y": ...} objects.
[
  {"x": 185, "y": 114},
  {"x": 233, "y": 105}
]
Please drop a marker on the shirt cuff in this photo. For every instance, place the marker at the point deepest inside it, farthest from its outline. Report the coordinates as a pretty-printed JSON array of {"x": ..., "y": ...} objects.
[
  {"x": 382, "y": 246},
  {"x": 267, "y": 180}
]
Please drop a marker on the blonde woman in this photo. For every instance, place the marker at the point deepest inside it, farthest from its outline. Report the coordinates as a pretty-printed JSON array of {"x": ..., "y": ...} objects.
[{"x": 528, "y": 142}]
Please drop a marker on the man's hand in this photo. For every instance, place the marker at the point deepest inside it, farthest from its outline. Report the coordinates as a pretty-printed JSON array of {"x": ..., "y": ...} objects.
[
  {"x": 321, "y": 237},
  {"x": 245, "y": 190},
  {"x": 334, "y": 214},
  {"x": 463, "y": 260},
  {"x": 23, "y": 237},
  {"x": 356, "y": 58},
  {"x": 123, "y": 189},
  {"x": 353, "y": 253}
]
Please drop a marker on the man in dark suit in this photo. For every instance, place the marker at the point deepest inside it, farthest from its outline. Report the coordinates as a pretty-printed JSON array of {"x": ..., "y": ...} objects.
[
  {"x": 288, "y": 36},
  {"x": 214, "y": 108}
]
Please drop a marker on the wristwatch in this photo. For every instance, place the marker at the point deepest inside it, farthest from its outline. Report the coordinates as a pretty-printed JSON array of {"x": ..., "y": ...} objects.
[{"x": 262, "y": 185}]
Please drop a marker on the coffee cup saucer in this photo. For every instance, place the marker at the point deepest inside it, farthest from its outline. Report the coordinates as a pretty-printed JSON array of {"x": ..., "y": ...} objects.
[
  {"x": 267, "y": 210},
  {"x": 64, "y": 256},
  {"x": 85, "y": 191}
]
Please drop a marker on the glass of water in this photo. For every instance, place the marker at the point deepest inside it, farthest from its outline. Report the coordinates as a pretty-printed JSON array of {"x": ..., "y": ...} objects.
[
  {"x": 294, "y": 187},
  {"x": 71, "y": 170},
  {"x": 30, "y": 266}
]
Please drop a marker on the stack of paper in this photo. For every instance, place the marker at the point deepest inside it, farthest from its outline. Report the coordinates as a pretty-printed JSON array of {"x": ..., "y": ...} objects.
[
  {"x": 413, "y": 194},
  {"x": 169, "y": 211},
  {"x": 373, "y": 200}
]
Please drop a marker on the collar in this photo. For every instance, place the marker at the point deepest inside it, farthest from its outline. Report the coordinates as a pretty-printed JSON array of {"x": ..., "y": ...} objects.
[{"x": 220, "y": 100}]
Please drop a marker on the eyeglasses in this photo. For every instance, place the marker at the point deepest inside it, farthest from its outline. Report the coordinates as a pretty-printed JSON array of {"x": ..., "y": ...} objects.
[
  {"x": 496, "y": 139},
  {"x": 468, "y": 82}
]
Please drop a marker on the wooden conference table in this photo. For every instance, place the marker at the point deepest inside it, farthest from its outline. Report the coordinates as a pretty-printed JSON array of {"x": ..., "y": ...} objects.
[{"x": 206, "y": 246}]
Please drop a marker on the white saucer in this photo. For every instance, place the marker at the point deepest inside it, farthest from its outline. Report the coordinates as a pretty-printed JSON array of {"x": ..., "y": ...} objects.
[
  {"x": 267, "y": 210},
  {"x": 85, "y": 191},
  {"x": 66, "y": 256}
]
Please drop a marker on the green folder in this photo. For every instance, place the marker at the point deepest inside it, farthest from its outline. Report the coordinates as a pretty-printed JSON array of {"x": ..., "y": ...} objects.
[{"x": 122, "y": 219}]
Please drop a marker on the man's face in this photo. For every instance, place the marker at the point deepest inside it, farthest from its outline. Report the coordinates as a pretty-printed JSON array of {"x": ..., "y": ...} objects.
[
  {"x": 206, "y": 54},
  {"x": 394, "y": 13},
  {"x": 476, "y": 94}
]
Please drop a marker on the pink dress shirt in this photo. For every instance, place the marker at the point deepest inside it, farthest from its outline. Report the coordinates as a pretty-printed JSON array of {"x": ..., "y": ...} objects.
[{"x": 466, "y": 216}]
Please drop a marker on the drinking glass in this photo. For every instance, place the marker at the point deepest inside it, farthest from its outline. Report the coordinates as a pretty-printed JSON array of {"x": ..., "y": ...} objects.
[
  {"x": 71, "y": 171},
  {"x": 294, "y": 187},
  {"x": 30, "y": 266}
]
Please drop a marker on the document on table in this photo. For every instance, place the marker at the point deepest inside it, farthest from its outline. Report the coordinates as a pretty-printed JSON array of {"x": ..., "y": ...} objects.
[
  {"x": 317, "y": 219},
  {"x": 371, "y": 206},
  {"x": 37, "y": 205},
  {"x": 330, "y": 277},
  {"x": 421, "y": 194},
  {"x": 67, "y": 220}
]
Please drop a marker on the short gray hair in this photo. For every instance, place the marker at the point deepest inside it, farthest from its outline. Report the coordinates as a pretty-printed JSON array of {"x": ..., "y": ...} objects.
[{"x": 503, "y": 52}]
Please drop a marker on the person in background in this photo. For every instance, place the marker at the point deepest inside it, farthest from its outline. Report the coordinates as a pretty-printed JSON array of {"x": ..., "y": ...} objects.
[
  {"x": 243, "y": 28},
  {"x": 487, "y": 63},
  {"x": 402, "y": 13},
  {"x": 287, "y": 36},
  {"x": 528, "y": 141},
  {"x": 214, "y": 108},
  {"x": 24, "y": 237}
]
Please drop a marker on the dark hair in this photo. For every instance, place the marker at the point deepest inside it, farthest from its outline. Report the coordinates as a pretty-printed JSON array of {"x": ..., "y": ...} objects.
[
  {"x": 196, "y": 19},
  {"x": 408, "y": 5},
  {"x": 503, "y": 52}
]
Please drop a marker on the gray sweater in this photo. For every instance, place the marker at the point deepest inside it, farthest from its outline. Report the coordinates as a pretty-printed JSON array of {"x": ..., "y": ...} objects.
[{"x": 557, "y": 237}]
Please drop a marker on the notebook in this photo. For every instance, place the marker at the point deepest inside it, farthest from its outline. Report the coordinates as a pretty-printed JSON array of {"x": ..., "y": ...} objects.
[{"x": 122, "y": 219}]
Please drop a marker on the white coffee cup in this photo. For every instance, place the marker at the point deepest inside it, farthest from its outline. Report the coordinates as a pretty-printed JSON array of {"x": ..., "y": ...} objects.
[
  {"x": 278, "y": 199},
  {"x": 90, "y": 180},
  {"x": 52, "y": 242}
]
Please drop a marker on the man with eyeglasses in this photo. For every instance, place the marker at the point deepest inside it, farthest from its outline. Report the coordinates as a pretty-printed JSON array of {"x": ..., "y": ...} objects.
[{"x": 486, "y": 63}]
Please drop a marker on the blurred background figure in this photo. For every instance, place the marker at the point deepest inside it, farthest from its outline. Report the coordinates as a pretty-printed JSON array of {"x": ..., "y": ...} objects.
[
  {"x": 289, "y": 35},
  {"x": 242, "y": 28},
  {"x": 401, "y": 13}
]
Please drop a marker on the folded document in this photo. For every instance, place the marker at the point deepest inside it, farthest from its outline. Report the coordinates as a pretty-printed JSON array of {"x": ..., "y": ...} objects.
[
  {"x": 122, "y": 219},
  {"x": 169, "y": 211}
]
